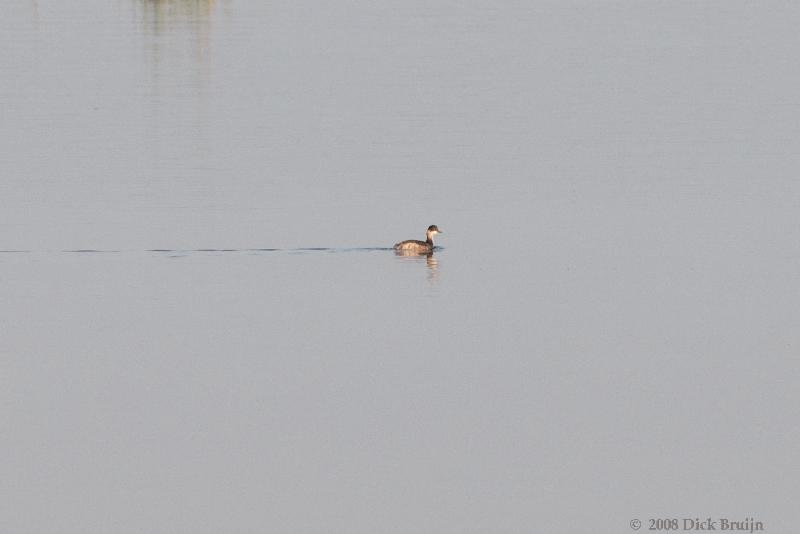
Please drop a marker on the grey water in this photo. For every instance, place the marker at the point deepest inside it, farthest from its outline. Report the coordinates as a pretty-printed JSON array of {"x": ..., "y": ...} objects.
[{"x": 203, "y": 327}]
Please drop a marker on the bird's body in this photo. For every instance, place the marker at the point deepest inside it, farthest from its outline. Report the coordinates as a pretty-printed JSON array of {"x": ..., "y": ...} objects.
[{"x": 419, "y": 247}]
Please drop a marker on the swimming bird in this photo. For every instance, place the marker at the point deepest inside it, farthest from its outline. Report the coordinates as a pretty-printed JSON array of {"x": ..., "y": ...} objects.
[{"x": 420, "y": 247}]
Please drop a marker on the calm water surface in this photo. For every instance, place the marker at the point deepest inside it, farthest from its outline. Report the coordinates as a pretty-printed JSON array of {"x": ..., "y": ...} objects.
[{"x": 203, "y": 328}]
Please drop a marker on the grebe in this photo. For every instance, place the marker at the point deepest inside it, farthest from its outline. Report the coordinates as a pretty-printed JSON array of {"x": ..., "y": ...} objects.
[{"x": 422, "y": 247}]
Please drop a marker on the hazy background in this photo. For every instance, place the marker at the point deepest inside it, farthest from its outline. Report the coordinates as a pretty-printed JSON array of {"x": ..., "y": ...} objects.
[{"x": 610, "y": 332}]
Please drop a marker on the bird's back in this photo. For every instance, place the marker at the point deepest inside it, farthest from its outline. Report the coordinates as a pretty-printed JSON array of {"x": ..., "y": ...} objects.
[{"x": 413, "y": 244}]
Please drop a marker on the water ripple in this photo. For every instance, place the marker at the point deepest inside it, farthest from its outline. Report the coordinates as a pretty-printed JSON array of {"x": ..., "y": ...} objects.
[
  {"x": 188, "y": 251},
  {"x": 91, "y": 251}
]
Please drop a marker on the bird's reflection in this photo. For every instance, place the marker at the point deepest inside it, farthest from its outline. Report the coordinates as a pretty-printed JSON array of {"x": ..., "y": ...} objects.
[
  {"x": 177, "y": 36},
  {"x": 164, "y": 13},
  {"x": 431, "y": 261},
  {"x": 35, "y": 6}
]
